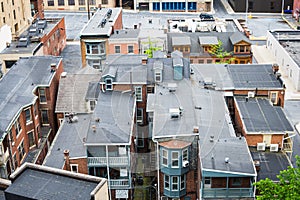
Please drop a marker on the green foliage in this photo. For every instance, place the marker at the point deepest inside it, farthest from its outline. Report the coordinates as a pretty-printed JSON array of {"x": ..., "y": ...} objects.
[
  {"x": 288, "y": 187},
  {"x": 151, "y": 49},
  {"x": 218, "y": 51}
]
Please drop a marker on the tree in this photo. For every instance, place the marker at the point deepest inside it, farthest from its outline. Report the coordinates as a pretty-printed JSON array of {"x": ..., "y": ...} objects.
[
  {"x": 151, "y": 49},
  {"x": 288, "y": 187},
  {"x": 218, "y": 51}
]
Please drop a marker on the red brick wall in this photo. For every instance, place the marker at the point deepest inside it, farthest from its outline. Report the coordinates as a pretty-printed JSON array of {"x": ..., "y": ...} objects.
[
  {"x": 221, "y": 183},
  {"x": 277, "y": 139},
  {"x": 252, "y": 140},
  {"x": 123, "y": 47},
  {"x": 82, "y": 165},
  {"x": 55, "y": 41},
  {"x": 118, "y": 25}
]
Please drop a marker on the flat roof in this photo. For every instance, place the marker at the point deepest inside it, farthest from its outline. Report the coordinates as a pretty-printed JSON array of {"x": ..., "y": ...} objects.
[
  {"x": 32, "y": 45},
  {"x": 259, "y": 115},
  {"x": 18, "y": 85},
  {"x": 246, "y": 76},
  {"x": 112, "y": 121},
  {"x": 40, "y": 182},
  {"x": 94, "y": 27},
  {"x": 183, "y": 40},
  {"x": 125, "y": 35},
  {"x": 270, "y": 163},
  {"x": 70, "y": 136}
]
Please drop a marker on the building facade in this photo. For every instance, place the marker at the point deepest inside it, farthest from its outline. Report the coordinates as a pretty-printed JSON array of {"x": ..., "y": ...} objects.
[
  {"x": 15, "y": 14},
  {"x": 79, "y": 5},
  {"x": 28, "y": 122}
]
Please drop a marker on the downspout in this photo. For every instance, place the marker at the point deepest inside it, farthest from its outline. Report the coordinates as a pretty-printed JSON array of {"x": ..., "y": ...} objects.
[
  {"x": 157, "y": 163},
  {"x": 107, "y": 168}
]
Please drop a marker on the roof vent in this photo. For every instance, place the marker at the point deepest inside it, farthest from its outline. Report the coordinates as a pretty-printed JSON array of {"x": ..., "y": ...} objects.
[
  {"x": 172, "y": 87},
  {"x": 226, "y": 160},
  {"x": 53, "y": 67},
  {"x": 97, "y": 119},
  {"x": 175, "y": 113},
  {"x": 94, "y": 128},
  {"x": 63, "y": 75},
  {"x": 196, "y": 129},
  {"x": 211, "y": 138}
]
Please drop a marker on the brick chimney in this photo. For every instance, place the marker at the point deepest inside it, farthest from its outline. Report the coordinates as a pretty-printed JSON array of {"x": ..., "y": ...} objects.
[{"x": 67, "y": 160}]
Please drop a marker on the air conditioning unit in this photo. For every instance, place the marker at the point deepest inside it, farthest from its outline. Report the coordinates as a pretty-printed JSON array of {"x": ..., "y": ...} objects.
[
  {"x": 261, "y": 146},
  {"x": 251, "y": 94},
  {"x": 185, "y": 163},
  {"x": 274, "y": 147}
]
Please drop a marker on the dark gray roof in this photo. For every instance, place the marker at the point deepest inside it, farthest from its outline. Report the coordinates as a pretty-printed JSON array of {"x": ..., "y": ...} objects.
[
  {"x": 70, "y": 136},
  {"x": 253, "y": 76},
  {"x": 18, "y": 85},
  {"x": 270, "y": 163},
  {"x": 44, "y": 183},
  {"x": 259, "y": 115},
  {"x": 125, "y": 34},
  {"x": 93, "y": 91},
  {"x": 94, "y": 28},
  {"x": 208, "y": 40},
  {"x": 115, "y": 113},
  {"x": 237, "y": 37},
  {"x": 74, "y": 88},
  {"x": 233, "y": 148}
]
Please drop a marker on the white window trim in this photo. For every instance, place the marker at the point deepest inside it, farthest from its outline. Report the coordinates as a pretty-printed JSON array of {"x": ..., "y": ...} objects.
[
  {"x": 183, "y": 182},
  {"x": 175, "y": 159},
  {"x": 74, "y": 165},
  {"x": 24, "y": 155},
  {"x": 138, "y": 96},
  {"x": 178, "y": 181},
  {"x": 166, "y": 188},
  {"x": 187, "y": 154},
  {"x": 18, "y": 126},
  {"x": 276, "y": 97},
  {"x": 30, "y": 120},
  {"x": 30, "y": 147},
  {"x": 42, "y": 102},
  {"x": 139, "y": 119},
  {"x": 47, "y": 124},
  {"x": 162, "y": 155},
  {"x": 111, "y": 84},
  {"x": 119, "y": 49}
]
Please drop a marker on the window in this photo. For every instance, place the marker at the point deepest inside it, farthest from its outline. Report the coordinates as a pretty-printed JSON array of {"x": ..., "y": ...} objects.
[
  {"x": 13, "y": 2},
  {"x": 74, "y": 168},
  {"x": 182, "y": 182},
  {"x": 61, "y": 2},
  {"x": 164, "y": 157},
  {"x": 104, "y": 2},
  {"x": 81, "y": 2},
  {"x": 95, "y": 63},
  {"x": 185, "y": 155},
  {"x": 45, "y": 119},
  {"x": 207, "y": 182},
  {"x": 108, "y": 84},
  {"x": 175, "y": 182},
  {"x": 31, "y": 138},
  {"x": 11, "y": 137},
  {"x": 28, "y": 115},
  {"x": 18, "y": 127},
  {"x": 130, "y": 48},
  {"x": 175, "y": 161},
  {"x": 273, "y": 97},
  {"x": 138, "y": 93},
  {"x": 21, "y": 151},
  {"x": 42, "y": 94},
  {"x": 158, "y": 76},
  {"x": 200, "y": 61},
  {"x": 92, "y": 105},
  {"x": 236, "y": 181},
  {"x": 167, "y": 182},
  {"x": 2, "y": 7},
  {"x": 209, "y": 61},
  {"x": 92, "y": 2},
  {"x": 95, "y": 48},
  {"x": 14, "y": 13},
  {"x": 71, "y": 2},
  {"x": 139, "y": 115},
  {"x": 242, "y": 49},
  {"x": 117, "y": 49}
]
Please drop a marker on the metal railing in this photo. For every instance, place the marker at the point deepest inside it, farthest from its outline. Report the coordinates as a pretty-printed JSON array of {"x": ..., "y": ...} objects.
[
  {"x": 112, "y": 161},
  {"x": 227, "y": 192},
  {"x": 119, "y": 183}
]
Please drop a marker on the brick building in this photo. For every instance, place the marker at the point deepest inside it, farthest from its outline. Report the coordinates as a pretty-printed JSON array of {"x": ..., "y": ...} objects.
[
  {"x": 95, "y": 34},
  {"x": 43, "y": 37},
  {"x": 28, "y": 123}
]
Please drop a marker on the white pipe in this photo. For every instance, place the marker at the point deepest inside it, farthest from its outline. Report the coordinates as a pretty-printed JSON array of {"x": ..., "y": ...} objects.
[{"x": 157, "y": 163}]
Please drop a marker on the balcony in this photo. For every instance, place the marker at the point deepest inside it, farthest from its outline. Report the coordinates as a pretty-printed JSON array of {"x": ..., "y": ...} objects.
[
  {"x": 119, "y": 183},
  {"x": 227, "y": 192},
  {"x": 112, "y": 161}
]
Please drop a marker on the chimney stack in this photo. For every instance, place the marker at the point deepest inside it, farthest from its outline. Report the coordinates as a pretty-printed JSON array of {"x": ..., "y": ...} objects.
[{"x": 67, "y": 160}]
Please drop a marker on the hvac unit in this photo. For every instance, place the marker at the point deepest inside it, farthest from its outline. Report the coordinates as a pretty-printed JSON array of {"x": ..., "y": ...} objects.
[
  {"x": 163, "y": 198},
  {"x": 185, "y": 163},
  {"x": 261, "y": 146},
  {"x": 251, "y": 94},
  {"x": 274, "y": 147}
]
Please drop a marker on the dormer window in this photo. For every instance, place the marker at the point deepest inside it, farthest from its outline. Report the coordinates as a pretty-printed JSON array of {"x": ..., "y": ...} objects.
[
  {"x": 92, "y": 105},
  {"x": 108, "y": 84},
  {"x": 158, "y": 76}
]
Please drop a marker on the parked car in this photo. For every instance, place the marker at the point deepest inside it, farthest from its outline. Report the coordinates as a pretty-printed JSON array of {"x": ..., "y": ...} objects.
[{"x": 207, "y": 17}]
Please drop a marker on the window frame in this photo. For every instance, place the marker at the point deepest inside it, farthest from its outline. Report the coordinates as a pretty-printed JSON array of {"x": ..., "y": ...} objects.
[
  {"x": 236, "y": 181},
  {"x": 166, "y": 182},
  {"x": 139, "y": 115},
  {"x": 174, "y": 183},
  {"x": 21, "y": 151},
  {"x": 130, "y": 49},
  {"x": 109, "y": 86},
  {"x": 173, "y": 160},
  {"x": 138, "y": 93},
  {"x": 117, "y": 49},
  {"x": 33, "y": 144},
  {"x": 45, "y": 121},
  {"x": 185, "y": 158},
  {"x": 165, "y": 157},
  {"x": 74, "y": 165},
  {"x": 182, "y": 182},
  {"x": 28, "y": 117},
  {"x": 18, "y": 128},
  {"x": 42, "y": 95}
]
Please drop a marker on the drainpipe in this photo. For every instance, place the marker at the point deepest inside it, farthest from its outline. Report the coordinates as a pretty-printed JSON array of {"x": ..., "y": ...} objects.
[
  {"x": 107, "y": 168},
  {"x": 157, "y": 163}
]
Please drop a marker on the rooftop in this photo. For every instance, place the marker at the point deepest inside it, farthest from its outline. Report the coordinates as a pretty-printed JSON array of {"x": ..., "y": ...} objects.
[
  {"x": 259, "y": 115},
  {"x": 261, "y": 76},
  {"x": 18, "y": 85},
  {"x": 40, "y": 182},
  {"x": 112, "y": 121},
  {"x": 125, "y": 34},
  {"x": 73, "y": 89},
  {"x": 101, "y": 23},
  {"x": 290, "y": 41},
  {"x": 29, "y": 42}
]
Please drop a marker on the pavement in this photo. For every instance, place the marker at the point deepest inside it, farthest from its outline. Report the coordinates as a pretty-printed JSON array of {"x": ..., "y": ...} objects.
[{"x": 292, "y": 22}]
